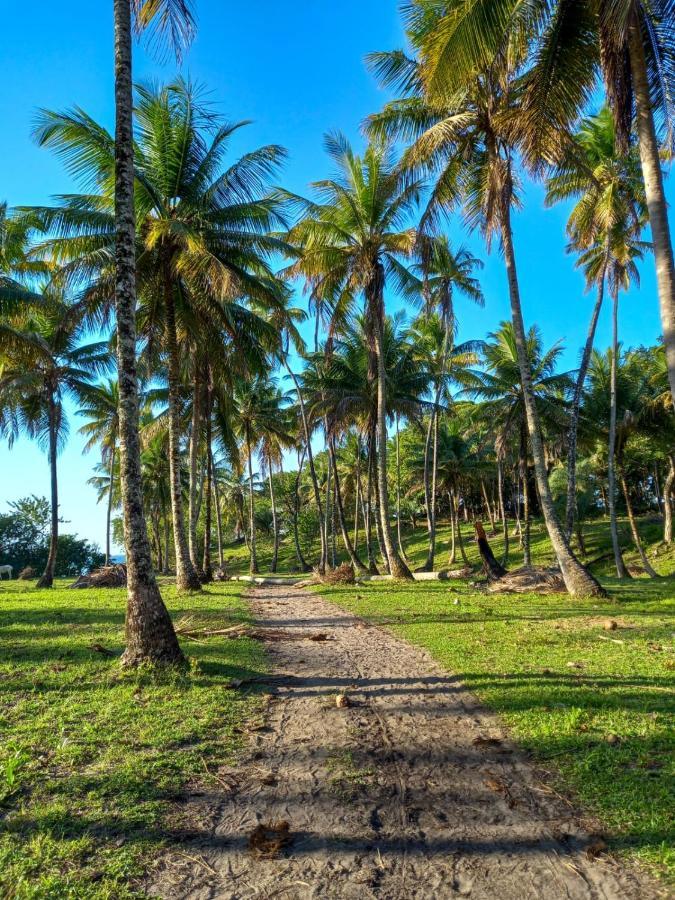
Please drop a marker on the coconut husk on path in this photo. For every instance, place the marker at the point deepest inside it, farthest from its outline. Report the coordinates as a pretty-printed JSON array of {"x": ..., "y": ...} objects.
[{"x": 106, "y": 576}]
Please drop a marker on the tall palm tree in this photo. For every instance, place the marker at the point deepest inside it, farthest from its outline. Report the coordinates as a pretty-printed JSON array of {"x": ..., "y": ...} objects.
[
  {"x": 466, "y": 142},
  {"x": 350, "y": 243},
  {"x": 628, "y": 41},
  {"x": 46, "y": 364},
  {"x": 100, "y": 405},
  {"x": 606, "y": 182}
]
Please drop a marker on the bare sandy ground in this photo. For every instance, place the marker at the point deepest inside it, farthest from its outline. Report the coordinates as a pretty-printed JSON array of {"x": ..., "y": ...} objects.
[{"x": 410, "y": 789}]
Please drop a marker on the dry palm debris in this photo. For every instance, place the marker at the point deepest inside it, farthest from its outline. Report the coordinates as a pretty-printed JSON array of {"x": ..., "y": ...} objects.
[{"x": 268, "y": 840}]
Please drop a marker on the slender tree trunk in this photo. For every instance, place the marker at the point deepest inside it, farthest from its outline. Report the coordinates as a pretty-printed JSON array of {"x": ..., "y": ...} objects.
[
  {"x": 368, "y": 518},
  {"x": 505, "y": 525},
  {"x": 621, "y": 570},
  {"x": 275, "y": 525},
  {"x": 47, "y": 578},
  {"x": 207, "y": 568},
  {"x": 656, "y": 197},
  {"x": 573, "y": 428},
  {"x": 358, "y": 494},
  {"x": 351, "y": 552},
  {"x": 219, "y": 516},
  {"x": 527, "y": 555},
  {"x": 397, "y": 566},
  {"x": 108, "y": 517},
  {"x": 488, "y": 508},
  {"x": 578, "y": 580},
  {"x": 312, "y": 470},
  {"x": 401, "y": 549},
  {"x": 460, "y": 540},
  {"x": 452, "y": 557},
  {"x": 167, "y": 539},
  {"x": 149, "y": 632},
  {"x": 428, "y": 502},
  {"x": 193, "y": 454},
  {"x": 668, "y": 487},
  {"x": 302, "y": 563},
  {"x": 328, "y": 518},
  {"x": 253, "y": 566},
  {"x": 633, "y": 526},
  {"x": 187, "y": 578}
]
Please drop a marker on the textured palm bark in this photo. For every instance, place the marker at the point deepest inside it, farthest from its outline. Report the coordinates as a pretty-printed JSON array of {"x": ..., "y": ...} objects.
[
  {"x": 275, "y": 523},
  {"x": 454, "y": 500},
  {"x": 252, "y": 546},
  {"x": 452, "y": 553},
  {"x": 302, "y": 562},
  {"x": 186, "y": 576},
  {"x": 502, "y": 510},
  {"x": 399, "y": 538},
  {"x": 312, "y": 469},
  {"x": 207, "y": 568},
  {"x": 357, "y": 497},
  {"x": 649, "y": 569},
  {"x": 108, "y": 516},
  {"x": 397, "y": 566},
  {"x": 427, "y": 493},
  {"x": 46, "y": 580},
  {"x": 668, "y": 486},
  {"x": 488, "y": 507},
  {"x": 193, "y": 463},
  {"x": 368, "y": 514},
  {"x": 578, "y": 580},
  {"x": 621, "y": 570},
  {"x": 149, "y": 633},
  {"x": 522, "y": 460},
  {"x": 573, "y": 429},
  {"x": 351, "y": 552},
  {"x": 655, "y": 194},
  {"x": 219, "y": 517}
]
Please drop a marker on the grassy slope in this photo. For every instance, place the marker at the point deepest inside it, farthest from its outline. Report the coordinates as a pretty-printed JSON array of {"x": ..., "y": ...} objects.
[
  {"x": 605, "y": 723},
  {"x": 93, "y": 760}
]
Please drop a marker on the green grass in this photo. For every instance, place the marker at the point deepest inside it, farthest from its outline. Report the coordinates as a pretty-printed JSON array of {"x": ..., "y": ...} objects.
[
  {"x": 94, "y": 760},
  {"x": 604, "y": 724}
]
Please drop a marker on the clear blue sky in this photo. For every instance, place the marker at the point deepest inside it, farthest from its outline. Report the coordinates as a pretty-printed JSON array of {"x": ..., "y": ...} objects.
[{"x": 295, "y": 68}]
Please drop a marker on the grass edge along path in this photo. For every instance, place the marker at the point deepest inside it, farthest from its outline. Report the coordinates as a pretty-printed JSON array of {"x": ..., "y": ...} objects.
[
  {"x": 94, "y": 760},
  {"x": 585, "y": 686}
]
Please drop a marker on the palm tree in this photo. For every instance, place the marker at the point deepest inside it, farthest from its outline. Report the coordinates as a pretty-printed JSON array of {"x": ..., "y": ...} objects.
[
  {"x": 628, "y": 41},
  {"x": 466, "y": 141},
  {"x": 100, "y": 404},
  {"x": 607, "y": 184},
  {"x": 46, "y": 365},
  {"x": 203, "y": 237},
  {"x": 350, "y": 243},
  {"x": 500, "y": 385}
]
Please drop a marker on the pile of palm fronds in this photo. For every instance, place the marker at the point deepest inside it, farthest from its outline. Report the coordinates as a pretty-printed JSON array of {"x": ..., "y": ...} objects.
[{"x": 107, "y": 576}]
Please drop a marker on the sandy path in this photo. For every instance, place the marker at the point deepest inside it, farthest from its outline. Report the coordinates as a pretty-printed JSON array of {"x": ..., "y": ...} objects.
[{"x": 412, "y": 791}]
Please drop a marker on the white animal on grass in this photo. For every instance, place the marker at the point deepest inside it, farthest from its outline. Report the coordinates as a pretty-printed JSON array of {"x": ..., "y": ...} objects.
[{"x": 6, "y": 570}]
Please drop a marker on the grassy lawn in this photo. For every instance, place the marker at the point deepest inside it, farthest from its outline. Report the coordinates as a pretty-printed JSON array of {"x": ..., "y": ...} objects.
[
  {"x": 593, "y": 705},
  {"x": 92, "y": 759}
]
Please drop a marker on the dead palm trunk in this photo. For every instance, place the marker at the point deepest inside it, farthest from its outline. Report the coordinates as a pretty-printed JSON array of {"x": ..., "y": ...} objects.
[
  {"x": 573, "y": 429},
  {"x": 47, "y": 578},
  {"x": 275, "y": 524},
  {"x": 397, "y": 566},
  {"x": 578, "y": 580},
  {"x": 312, "y": 470},
  {"x": 349, "y": 547},
  {"x": 621, "y": 570},
  {"x": 655, "y": 194},
  {"x": 633, "y": 526},
  {"x": 186, "y": 576},
  {"x": 253, "y": 565},
  {"x": 668, "y": 486},
  {"x": 108, "y": 516},
  {"x": 149, "y": 632}
]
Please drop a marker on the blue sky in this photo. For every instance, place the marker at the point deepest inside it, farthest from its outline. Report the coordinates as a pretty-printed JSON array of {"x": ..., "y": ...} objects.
[{"x": 295, "y": 68}]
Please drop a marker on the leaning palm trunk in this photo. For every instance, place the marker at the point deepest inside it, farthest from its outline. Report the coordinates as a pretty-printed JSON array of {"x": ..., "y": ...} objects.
[
  {"x": 47, "y": 578},
  {"x": 312, "y": 470},
  {"x": 149, "y": 633},
  {"x": 108, "y": 517},
  {"x": 668, "y": 486},
  {"x": 621, "y": 570},
  {"x": 253, "y": 565},
  {"x": 275, "y": 523},
  {"x": 397, "y": 567},
  {"x": 655, "y": 194},
  {"x": 578, "y": 580},
  {"x": 633, "y": 526},
  {"x": 186, "y": 576},
  {"x": 570, "y": 512},
  {"x": 349, "y": 547}
]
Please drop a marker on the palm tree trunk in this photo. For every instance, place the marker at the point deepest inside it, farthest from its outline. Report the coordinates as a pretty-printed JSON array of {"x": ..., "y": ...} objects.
[
  {"x": 368, "y": 518},
  {"x": 633, "y": 526},
  {"x": 186, "y": 575},
  {"x": 668, "y": 486},
  {"x": 349, "y": 547},
  {"x": 578, "y": 579},
  {"x": 47, "y": 578},
  {"x": 397, "y": 566},
  {"x": 454, "y": 499},
  {"x": 452, "y": 557},
  {"x": 327, "y": 519},
  {"x": 428, "y": 565},
  {"x": 193, "y": 513},
  {"x": 207, "y": 569},
  {"x": 357, "y": 501},
  {"x": 656, "y": 198},
  {"x": 108, "y": 517},
  {"x": 312, "y": 470},
  {"x": 401, "y": 549},
  {"x": 621, "y": 570},
  {"x": 488, "y": 508},
  {"x": 502, "y": 508},
  {"x": 302, "y": 563},
  {"x": 219, "y": 517},
  {"x": 253, "y": 566},
  {"x": 527, "y": 555},
  {"x": 573, "y": 429},
  {"x": 275, "y": 525},
  {"x": 149, "y": 633}
]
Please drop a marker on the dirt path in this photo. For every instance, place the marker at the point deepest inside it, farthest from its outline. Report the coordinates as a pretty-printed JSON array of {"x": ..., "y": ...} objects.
[{"x": 410, "y": 791}]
